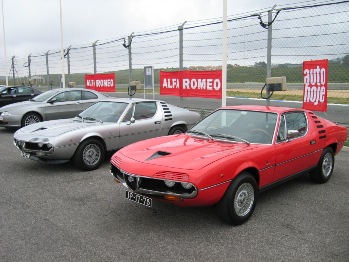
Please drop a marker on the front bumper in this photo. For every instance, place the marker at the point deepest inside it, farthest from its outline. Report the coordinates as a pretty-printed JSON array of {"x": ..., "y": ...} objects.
[
  {"x": 152, "y": 187},
  {"x": 10, "y": 121},
  {"x": 44, "y": 152}
]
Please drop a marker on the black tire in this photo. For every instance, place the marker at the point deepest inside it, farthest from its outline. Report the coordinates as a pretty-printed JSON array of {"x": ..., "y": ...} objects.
[
  {"x": 175, "y": 130},
  {"x": 89, "y": 155},
  {"x": 323, "y": 171},
  {"x": 239, "y": 201},
  {"x": 30, "y": 118}
]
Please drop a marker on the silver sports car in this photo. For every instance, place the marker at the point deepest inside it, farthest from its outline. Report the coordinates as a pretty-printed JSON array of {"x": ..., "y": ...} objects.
[
  {"x": 105, "y": 126},
  {"x": 54, "y": 104}
]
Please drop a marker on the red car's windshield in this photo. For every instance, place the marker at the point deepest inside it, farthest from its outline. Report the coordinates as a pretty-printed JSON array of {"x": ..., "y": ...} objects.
[{"x": 238, "y": 125}]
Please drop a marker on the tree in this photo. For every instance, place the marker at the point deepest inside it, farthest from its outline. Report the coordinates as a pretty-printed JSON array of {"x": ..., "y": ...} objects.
[
  {"x": 260, "y": 64},
  {"x": 345, "y": 60}
]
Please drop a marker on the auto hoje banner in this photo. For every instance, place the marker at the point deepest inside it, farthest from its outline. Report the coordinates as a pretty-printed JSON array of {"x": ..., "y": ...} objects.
[
  {"x": 101, "y": 82},
  {"x": 205, "y": 84},
  {"x": 315, "y": 75}
]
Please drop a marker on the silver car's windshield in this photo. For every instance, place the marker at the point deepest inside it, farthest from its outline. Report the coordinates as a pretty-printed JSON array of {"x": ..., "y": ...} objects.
[
  {"x": 238, "y": 126},
  {"x": 103, "y": 111},
  {"x": 44, "y": 96}
]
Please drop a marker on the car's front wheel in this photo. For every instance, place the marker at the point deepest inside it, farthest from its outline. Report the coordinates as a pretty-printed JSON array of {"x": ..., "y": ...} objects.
[
  {"x": 30, "y": 118},
  {"x": 324, "y": 169},
  {"x": 239, "y": 201},
  {"x": 89, "y": 155}
]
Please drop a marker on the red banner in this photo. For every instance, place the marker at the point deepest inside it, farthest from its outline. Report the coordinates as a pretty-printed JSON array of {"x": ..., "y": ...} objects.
[
  {"x": 101, "y": 82},
  {"x": 206, "y": 84},
  {"x": 315, "y": 75}
]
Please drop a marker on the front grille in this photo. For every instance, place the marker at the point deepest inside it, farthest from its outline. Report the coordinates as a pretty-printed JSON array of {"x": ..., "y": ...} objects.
[
  {"x": 131, "y": 181},
  {"x": 36, "y": 146},
  {"x": 152, "y": 186}
]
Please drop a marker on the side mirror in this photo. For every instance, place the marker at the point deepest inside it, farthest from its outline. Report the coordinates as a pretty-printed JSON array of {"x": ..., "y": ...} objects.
[
  {"x": 131, "y": 121},
  {"x": 51, "y": 101}
]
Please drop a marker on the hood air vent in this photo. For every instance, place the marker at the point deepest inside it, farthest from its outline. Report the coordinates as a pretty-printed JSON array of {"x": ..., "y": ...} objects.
[{"x": 158, "y": 154}]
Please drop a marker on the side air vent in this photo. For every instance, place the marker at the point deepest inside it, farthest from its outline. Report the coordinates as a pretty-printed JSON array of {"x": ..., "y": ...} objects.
[
  {"x": 320, "y": 127},
  {"x": 167, "y": 112}
]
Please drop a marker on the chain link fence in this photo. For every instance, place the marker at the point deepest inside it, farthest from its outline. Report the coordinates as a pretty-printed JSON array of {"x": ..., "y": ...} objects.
[{"x": 299, "y": 33}]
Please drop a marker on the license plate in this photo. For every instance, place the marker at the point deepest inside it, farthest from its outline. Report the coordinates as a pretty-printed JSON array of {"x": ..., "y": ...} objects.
[
  {"x": 145, "y": 201},
  {"x": 25, "y": 155}
]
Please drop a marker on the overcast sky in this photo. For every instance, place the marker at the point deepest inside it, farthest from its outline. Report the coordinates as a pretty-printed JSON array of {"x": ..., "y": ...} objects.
[{"x": 33, "y": 26}]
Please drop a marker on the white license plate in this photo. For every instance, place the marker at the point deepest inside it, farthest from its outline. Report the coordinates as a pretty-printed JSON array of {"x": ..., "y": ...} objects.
[
  {"x": 25, "y": 155},
  {"x": 145, "y": 201}
]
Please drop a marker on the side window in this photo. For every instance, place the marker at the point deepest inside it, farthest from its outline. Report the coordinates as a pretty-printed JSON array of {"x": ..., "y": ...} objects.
[
  {"x": 71, "y": 96},
  {"x": 144, "y": 110},
  {"x": 24, "y": 90},
  {"x": 60, "y": 97},
  {"x": 88, "y": 95},
  {"x": 75, "y": 95},
  {"x": 13, "y": 91},
  {"x": 292, "y": 125}
]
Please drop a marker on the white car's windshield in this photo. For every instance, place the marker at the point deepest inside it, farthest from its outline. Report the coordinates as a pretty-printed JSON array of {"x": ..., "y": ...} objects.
[
  {"x": 44, "y": 96},
  {"x": 103, "y": 111},
  {"x": 237, "y": 126}
]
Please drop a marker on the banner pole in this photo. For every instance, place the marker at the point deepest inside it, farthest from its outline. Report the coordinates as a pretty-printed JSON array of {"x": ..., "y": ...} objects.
[{"x": 225, "y": 54}]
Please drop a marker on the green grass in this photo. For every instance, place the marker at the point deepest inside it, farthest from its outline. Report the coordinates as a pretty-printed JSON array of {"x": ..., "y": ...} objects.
[{"x": 284, "y": 96}]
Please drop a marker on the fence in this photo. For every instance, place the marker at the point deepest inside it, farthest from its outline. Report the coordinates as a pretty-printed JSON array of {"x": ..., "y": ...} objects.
[{"x": 296, "y": 34}]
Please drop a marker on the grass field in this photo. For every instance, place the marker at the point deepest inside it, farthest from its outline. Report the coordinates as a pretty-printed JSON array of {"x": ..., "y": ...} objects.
[{"x": 333, "y": 96}]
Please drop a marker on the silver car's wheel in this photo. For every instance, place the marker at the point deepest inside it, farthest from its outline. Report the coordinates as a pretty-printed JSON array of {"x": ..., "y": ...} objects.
[
  {"x": 30, "y": 118},
  {"x": 89, "y": 155},
  {"x": 324, "y": 169},
  {"x": 239, "y": 201}
]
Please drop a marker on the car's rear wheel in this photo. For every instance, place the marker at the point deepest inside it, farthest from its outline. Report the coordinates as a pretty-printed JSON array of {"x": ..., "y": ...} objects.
[
  {"x": 239, "y": 201},
  {"x": 176, "y": 130},
  {"x": 89, "y": 155},
  {"x": 324, "y": 169},
  {"x": 30, "y": 118}
]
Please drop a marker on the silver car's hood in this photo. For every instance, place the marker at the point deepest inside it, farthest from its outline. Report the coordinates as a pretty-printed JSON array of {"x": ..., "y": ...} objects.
[{"x": 55, "y": 127}]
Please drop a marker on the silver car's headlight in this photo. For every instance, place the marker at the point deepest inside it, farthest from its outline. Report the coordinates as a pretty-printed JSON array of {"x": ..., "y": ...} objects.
[{"x": 6, "y": 113}]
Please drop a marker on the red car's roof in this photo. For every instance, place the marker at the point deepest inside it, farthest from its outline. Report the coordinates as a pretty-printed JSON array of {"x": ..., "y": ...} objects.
[{"x": 274, "y": 109}]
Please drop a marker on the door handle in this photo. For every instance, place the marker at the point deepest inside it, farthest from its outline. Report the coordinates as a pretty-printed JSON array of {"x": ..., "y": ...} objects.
[{"x": 157, "y": 122}]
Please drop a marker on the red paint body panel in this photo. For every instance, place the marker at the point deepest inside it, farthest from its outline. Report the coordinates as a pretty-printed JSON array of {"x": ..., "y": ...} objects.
[{"x": 210, "y": 165}]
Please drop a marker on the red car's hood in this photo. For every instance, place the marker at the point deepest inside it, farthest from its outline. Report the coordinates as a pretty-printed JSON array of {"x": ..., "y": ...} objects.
[{"x": 182, "y": 151}]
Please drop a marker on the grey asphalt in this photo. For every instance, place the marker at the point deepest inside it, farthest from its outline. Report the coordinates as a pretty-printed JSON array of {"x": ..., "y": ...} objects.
[{"x": 57, "y": 213}]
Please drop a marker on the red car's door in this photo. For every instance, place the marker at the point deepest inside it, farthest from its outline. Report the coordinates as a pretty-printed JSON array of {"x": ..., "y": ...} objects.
[{"x": 296, "y": 148}]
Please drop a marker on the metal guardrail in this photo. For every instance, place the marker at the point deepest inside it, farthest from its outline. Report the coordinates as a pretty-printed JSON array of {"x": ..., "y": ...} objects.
[{"x": 203, "y": 112}]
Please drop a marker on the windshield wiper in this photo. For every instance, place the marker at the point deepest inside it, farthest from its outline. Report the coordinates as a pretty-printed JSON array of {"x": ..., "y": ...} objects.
[
  {"x": 231, "y": 137},
  {"x": 200, "y": 133},
  {"x": 92, "y": 119},
  {"x": 79, "y": 116}
]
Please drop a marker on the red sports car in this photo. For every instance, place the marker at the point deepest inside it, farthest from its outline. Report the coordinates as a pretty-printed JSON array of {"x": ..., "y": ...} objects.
[{"x": 228, "y": 157}]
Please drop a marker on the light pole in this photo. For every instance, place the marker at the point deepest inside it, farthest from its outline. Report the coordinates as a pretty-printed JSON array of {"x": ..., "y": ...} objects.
[
  {"x": 3, "y": 29},
  {"x": 62, "y": 50}
]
